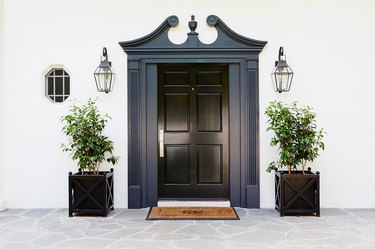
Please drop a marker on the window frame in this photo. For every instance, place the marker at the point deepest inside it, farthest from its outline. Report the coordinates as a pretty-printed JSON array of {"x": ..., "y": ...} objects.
[{"x": 47, "y": 75}]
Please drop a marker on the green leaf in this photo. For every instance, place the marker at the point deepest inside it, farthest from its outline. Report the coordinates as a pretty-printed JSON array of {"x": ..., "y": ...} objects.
[
  {"x": 295, "y": 133},
  {"x": 84, "y": 127}
]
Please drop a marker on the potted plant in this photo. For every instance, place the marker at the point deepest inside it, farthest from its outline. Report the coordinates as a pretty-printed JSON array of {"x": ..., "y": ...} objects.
[
  {"x": 90, "y": 190},
  {"x": 299, "y": 141}
]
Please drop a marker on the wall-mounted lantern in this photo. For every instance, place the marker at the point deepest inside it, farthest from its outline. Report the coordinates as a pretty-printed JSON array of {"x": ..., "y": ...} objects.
[
  {"x": 104, "y": 74},
  {"x": 282, "y": 75}
]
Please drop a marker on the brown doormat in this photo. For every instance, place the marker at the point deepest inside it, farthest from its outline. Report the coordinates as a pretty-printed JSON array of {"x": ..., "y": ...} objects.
[{"x": 192, "y": 213}]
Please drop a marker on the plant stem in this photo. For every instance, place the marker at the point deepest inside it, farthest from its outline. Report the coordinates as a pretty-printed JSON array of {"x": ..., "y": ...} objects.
[
  {"x": 289, "y": 169},
  {"x": 303, "y": 166}
]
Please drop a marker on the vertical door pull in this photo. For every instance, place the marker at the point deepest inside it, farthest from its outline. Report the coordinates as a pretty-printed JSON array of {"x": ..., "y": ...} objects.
[{"x": 161, "y": 143}]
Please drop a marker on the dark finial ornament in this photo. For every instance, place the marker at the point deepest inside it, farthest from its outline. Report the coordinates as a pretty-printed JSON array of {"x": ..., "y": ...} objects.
[{"x": 193, "y": 24}]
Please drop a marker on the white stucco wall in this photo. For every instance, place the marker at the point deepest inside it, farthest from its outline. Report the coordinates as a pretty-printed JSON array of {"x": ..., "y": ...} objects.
[
  {"x": 329, "y": 45},
  {"x": 2, "y": 202}
]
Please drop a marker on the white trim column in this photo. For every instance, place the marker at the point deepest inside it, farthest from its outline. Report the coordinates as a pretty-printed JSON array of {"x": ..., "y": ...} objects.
[{"x": 2, "y": 201}]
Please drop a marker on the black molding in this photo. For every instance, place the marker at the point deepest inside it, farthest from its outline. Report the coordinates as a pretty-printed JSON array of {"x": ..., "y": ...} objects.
[
  {"x": 241, "y": 54},
  {"x": 171, "y": 21},
  {"x": 133, "y": 140},
  {"x": 227, "y": 40},
  {"x": 214, "y": 21},
  {"x": 235, "y": 133},
  {"x": 152, "y": 136}
]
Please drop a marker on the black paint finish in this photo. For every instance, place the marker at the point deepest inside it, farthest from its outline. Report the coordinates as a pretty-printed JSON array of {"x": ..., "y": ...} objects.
[
  {"x": 297, "y": 193},
  {"x": 241, "y": 56},
  {"x": 90, "y": 194},
  {"x": 193, "y": 113}
]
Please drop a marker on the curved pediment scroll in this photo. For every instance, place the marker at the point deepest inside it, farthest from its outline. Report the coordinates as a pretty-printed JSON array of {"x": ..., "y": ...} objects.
[
  {"x": 227, "y": 39},
  {"x": 224, "y": 31},
  {"x": 160, "y": 33}
]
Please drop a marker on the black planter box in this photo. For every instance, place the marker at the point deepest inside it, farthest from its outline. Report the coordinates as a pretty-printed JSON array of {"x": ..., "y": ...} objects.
[
  {"x": 296, "y": 193},
  {"x": 91, "y": 194}
]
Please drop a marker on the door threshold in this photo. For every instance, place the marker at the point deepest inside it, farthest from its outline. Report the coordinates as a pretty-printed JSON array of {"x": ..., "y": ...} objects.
[{"x": 181, "y": 203}]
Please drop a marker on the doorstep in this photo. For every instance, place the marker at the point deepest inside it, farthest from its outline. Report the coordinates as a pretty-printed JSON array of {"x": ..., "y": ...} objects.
[{"x": 179, "y": 203}]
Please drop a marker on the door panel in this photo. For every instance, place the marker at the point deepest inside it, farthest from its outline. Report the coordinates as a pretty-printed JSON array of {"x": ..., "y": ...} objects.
[
  {"x": 176, "y": 78},
  {"x": 193, "y": 112},
  {"x": 209, "y": 112},
  {"x": 209, "y": 78},
  {"x": 210, "y": 167},
  {"x": 177, "y": 166},
  {"x": 177, "y": 112}
]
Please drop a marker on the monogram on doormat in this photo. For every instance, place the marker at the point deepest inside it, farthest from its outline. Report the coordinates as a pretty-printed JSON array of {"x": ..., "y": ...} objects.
[{"x": 192, "y": 213}]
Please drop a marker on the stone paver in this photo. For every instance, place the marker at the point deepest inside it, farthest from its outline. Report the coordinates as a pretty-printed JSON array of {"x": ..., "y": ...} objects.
[{"x": 123, "y": 228}]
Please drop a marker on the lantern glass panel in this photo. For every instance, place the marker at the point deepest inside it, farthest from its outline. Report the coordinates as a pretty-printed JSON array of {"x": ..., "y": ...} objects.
[
  {"x": 282, "y": 77},
  {"x": 104, "y": 77}
]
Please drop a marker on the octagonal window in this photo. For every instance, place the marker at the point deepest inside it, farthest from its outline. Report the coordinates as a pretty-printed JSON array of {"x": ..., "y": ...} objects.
[{"x": 57, "y": 85}]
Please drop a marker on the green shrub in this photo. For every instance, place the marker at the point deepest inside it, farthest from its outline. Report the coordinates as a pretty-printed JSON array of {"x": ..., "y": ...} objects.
[
  {"x": 296, "y": 134},
  {"x": 84, "y": 127}
]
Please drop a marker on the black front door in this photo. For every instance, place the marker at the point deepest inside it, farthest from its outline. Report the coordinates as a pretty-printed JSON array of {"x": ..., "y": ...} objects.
[{"x": 193, "y": 131}]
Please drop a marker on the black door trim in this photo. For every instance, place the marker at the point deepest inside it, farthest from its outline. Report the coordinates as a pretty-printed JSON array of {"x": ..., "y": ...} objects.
[{"x": 230, "y": 48}]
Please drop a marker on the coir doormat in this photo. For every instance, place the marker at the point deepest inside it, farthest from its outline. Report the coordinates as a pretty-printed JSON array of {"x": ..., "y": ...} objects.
[{"x": 192, "y": 213}]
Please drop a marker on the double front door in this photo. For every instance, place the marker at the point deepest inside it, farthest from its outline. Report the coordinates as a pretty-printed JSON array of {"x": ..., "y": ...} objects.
[{"x": 193, "y": 131}]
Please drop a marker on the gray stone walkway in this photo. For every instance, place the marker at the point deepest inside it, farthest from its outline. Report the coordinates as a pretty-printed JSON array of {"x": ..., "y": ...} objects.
[{"x": 259, "y": 229}]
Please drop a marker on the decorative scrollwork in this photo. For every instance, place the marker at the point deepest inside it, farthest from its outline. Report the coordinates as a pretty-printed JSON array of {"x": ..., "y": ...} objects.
[
  {"x": 173, "y": 21},
  {"x": 159, "y": 39},
  {"x": 212, "y": 20}
]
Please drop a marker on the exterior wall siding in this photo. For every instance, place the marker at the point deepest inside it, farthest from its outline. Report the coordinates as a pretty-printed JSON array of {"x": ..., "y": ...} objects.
[
  {"x": 2, "y": 202},
  {"x": 329, "y": 46}
]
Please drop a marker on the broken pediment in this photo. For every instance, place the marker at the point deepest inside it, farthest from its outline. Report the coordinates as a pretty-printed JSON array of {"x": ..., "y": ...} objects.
[{"x": 227, "y": 39}]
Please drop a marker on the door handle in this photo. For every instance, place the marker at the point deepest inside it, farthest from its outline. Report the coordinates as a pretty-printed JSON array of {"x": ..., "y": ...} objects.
[{"x": 161, "y": 143}]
